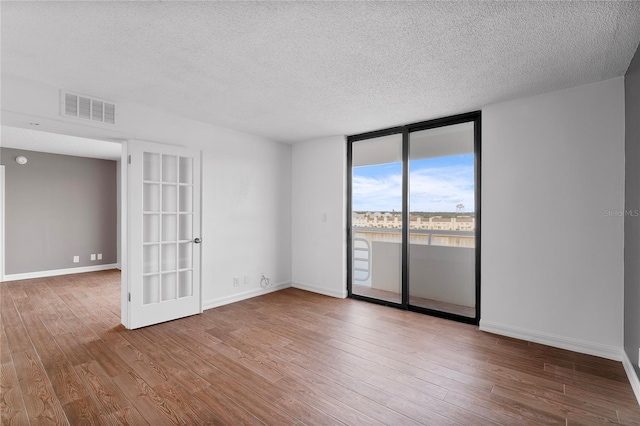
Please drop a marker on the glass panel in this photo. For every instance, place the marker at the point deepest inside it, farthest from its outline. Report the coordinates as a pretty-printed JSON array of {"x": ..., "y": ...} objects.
[
  {"x": 169, "y": 201},
  {"x": 442, "y": 219},
  {"x": 151, "y": 255},
  {"x": 169, "y": 286},
  {"x": 151, "y": 197},
  {"x": 186, "y": 199},
  {"x": 150, "y": 289},
  {"x": 185, "y": 255},
  {"x": 186, "y": 170},
  {"x": 169, "y": 168},
  {"x": 150, "y": 228},
  {"x": 169, "y": 257},
  {"x": 169, "y": 231},
  {"x": 186, "y": 227},
  {"x": 377, "y": 218},
  {"x": 151, "y": 167},
  {"x": 185, "y": 285}
]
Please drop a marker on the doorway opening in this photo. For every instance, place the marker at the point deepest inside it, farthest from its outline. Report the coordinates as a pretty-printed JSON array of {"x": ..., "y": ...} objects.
[{"x": 63, "y": 201}]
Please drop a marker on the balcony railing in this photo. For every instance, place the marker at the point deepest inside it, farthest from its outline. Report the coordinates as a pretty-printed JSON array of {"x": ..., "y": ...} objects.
[
  {"x": 361, "y": 260},
  {"x": 435, "y": 237}
]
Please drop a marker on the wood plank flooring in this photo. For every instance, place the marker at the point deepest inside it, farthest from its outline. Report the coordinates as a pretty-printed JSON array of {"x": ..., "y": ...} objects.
[{"x": 287, "y": 358}]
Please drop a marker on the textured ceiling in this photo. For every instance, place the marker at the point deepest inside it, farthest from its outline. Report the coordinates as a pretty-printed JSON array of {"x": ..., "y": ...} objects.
[{"x": 293, "y": 71}]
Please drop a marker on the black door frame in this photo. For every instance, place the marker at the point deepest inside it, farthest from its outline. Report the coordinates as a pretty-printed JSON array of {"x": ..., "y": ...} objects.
[{"x": 405, "y": 131}]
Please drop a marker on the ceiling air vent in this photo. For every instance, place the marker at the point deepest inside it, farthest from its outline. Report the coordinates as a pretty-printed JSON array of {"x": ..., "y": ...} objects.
[{"x": 79, "y": 106}]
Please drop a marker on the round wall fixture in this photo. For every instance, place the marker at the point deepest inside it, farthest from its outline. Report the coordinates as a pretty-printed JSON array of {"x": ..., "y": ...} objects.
[{"x": 21, "y": 160}]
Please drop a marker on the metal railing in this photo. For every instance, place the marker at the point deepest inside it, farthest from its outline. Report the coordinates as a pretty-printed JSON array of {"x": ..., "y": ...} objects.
[
  {"x": 361, "y": 253},
  {"x": 425, "y": 236}
]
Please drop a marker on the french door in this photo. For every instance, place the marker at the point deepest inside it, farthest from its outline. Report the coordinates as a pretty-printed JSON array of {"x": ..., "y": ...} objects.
[
  {"x": 414, "y": 217},
  {"x": 163, "y": 233}
]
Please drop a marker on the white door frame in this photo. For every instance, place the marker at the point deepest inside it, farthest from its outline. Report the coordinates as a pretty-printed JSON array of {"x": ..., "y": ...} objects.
[
  {"x": 2, "y": 224},
  {"x": 124, "y": 233}
]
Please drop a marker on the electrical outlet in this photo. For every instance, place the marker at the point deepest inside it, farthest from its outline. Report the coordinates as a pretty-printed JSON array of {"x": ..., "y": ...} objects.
[
  {"x": 236, "y": 281},
  {"x": 246, "y": 279},
  {"x": 93, "y": 257},
  {"x": 76, "y": 259},
  {"x": 99, "y": 256}
]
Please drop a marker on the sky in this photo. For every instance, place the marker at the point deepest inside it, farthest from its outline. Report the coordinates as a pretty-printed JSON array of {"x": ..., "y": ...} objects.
[{"x": 435, "y": 185}]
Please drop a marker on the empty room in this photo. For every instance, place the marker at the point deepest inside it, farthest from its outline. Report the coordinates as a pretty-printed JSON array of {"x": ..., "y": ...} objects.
[{"x": 320, "y": 213}]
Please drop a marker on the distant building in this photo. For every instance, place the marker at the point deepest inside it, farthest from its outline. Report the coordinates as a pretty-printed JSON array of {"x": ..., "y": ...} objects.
[{"x": 416, "y": 221}]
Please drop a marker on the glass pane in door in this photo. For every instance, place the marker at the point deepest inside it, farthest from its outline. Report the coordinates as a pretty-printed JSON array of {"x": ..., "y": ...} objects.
[
  {"x": 377, "y": 218},
  {"x": 185, "y": 210},
  {"x": 151, "y": 227},
  {"x": 167, "y": 227},
  {"x": 442, "y": 219}
]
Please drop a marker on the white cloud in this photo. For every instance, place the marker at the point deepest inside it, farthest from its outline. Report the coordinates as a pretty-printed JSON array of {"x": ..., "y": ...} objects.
[
  {"x": 431, "y": 189},
  {"x": 382, "y": 193}
]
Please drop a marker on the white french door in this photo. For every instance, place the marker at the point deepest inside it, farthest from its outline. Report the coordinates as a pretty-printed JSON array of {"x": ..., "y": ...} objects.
[
  {"x": 163, "y": 233},
  {"x": 414, "y": 217}
]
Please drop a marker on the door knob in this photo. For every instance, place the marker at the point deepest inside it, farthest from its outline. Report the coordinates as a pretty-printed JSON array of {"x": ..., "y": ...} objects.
[{"x": 197, "y": 241}]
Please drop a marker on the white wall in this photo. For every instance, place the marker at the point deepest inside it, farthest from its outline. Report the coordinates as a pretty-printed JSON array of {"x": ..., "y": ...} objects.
[
  {"x": 247, "y": 224},
  {"x": 246, "y": 198},
  {"x": 319, "y": 188},
  {"x": 552, "y": 259}
]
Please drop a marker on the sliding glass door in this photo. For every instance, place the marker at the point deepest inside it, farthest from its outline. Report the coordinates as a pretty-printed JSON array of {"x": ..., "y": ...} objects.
[
  {"x": 414, "y": 219},
  {"x": 442, "y": 221},
  {"x": 377, "y": 218}
]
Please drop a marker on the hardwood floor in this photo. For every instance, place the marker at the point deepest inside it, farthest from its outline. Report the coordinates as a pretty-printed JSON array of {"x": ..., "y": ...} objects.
[{"x": 290, "y": 357}]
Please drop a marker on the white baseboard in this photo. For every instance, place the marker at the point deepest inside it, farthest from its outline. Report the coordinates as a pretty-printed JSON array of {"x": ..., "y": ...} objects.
[
  {"x": 214, "y": 303},
  {"x": 562, "y": 342},
  {"x": 320, "y": 290},
  {"x": 631, "y": 374},
  {"x": 57, "y": 272}
]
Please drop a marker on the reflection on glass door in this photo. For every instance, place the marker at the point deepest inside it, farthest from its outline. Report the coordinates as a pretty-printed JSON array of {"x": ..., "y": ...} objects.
[
  {"x": 442, "y": 220},
  {"x": 376, "y": 237}
]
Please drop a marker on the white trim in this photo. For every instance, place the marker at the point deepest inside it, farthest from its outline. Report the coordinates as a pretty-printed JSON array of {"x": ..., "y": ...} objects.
[
  {"x": 562, "y": 342},
  {"x": 631, "y": 374},
  {"x": 2, "y": 223},
  {"x": 320, "y": 290},
  {"x": 57, "y": 272},
  {"x": 124, "y": 234},
  {"x": 221, "y": 301}
]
